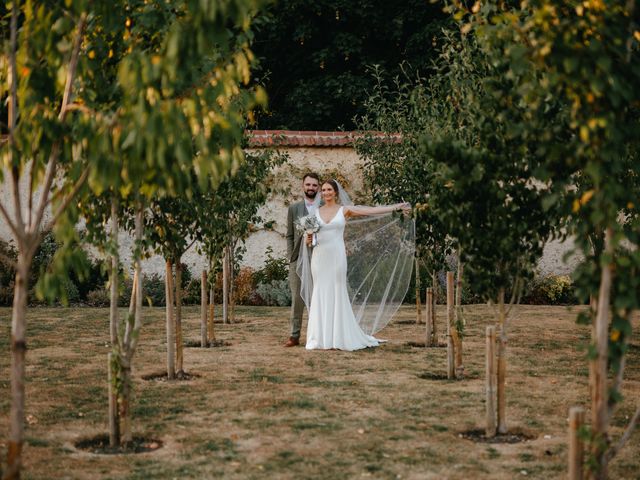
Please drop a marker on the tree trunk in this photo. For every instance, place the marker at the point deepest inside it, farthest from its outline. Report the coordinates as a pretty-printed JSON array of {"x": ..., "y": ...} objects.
[
  {"x": 599, "y": 398},
  {"x": 18, "y": 353},
  {"x": 171, "y": 327},
  {"x": 179, "y": 342},
  {"x": 225, "y": 287},
  {"x": 113, "y": 301},
  {"x": 429, "y": 317},
  {"x": 133, "y": 330},
  {"x": 114, "y": 421},
  {"x": 418, "y": 304},
  {"x": 459, "y": 320},
  {"x": 502, "y": 364},
  {"x": 114, "y": 321},
  {"x": 203, "y": 309},
  {"x": 459, "y": 292},
  {"x": 124, "y": 368},
  {"x": 490, "y": 382},
  {"x": 211, "y": 331},
  {"x": 451, "y": 328}
]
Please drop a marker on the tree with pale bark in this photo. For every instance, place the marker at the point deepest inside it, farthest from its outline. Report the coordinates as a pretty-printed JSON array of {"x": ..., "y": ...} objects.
[
  {"x": 117, "y": 99},
  {"x": 231, "y": 213},
  {"x": 590, "y": 53}
]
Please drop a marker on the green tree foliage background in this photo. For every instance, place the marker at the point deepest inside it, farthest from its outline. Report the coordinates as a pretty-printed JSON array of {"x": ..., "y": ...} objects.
[{"x": 315, "y": 56}]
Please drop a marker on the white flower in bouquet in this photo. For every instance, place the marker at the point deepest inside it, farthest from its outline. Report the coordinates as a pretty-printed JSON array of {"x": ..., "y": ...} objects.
[{"x": 309, "y": 225}]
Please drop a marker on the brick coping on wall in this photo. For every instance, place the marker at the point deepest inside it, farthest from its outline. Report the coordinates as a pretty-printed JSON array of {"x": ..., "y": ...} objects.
[
  {"x": 302, "y": 138},
  {"x": 310, "y": 138}
]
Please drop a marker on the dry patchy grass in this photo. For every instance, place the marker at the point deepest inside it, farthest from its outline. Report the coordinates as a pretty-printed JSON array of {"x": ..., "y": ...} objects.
[{"x": 258, "y": 410}]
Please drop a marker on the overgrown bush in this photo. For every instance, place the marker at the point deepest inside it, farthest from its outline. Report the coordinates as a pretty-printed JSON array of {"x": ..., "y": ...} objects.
[
  {"x": 273, "y": 269},
  {"x": 275, "y": 293},
  {"x": 245, "y": 287},
  {"x": 191, "y": 292},
  {"x": 551, "y": 290},
  {"x": 98, "y": 298}
]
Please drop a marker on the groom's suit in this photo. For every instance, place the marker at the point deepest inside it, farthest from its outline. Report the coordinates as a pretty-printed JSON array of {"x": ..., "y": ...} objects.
[{"x": 294, "y": 241}]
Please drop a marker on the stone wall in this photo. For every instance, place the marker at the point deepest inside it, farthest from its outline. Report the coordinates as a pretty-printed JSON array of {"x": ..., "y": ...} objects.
[{"x": 339, "y": 162}]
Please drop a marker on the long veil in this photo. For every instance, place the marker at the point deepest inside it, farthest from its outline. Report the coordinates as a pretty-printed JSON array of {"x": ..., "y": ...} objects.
[{"x": 380, "y": 251}]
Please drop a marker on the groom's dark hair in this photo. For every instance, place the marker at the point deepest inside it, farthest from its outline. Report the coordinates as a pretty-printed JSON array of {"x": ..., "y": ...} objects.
[{"x": 312, "y": 175}]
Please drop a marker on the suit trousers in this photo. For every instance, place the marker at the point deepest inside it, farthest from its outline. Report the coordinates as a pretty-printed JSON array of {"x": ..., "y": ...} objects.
[{"x": 297, "y": 304}]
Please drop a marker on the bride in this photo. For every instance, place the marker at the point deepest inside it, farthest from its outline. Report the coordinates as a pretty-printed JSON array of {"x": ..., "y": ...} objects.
[{"x": 332, "y": 323}]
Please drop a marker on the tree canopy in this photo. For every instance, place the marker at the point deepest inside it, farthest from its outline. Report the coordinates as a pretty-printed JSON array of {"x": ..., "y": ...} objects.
[{"x": 315, "y": 56}]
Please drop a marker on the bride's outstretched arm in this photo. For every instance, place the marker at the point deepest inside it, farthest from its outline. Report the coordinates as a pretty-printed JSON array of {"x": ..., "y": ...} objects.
[{"x": 363, "y": 211}]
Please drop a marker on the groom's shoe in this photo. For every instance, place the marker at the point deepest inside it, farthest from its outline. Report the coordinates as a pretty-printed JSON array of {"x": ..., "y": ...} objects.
[{"x": 292, "y": 342}]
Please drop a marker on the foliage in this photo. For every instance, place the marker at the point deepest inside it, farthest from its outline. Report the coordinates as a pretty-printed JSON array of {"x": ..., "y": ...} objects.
[
  {"x": 274, "y": 292},
  {"x": 273, "y": 269},
  {"x": 245, "y": 285},
  {"x": 314, "y": 57},
  {"x": 461, "y": 163},
  {"x": 111, "y": 104},
  {"x": 392, "y": 170},
  {"x": 230, "y": 212},
  {"x": 589, "y": 63},
  {"x": 550, "y": 290}
]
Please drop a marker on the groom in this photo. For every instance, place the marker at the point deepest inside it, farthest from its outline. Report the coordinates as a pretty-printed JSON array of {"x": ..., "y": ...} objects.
[{"x": 310, "y": 187}]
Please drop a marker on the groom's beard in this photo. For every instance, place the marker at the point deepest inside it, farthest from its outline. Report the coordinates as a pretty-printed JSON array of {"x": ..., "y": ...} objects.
[{"x": 310, "y": 194}]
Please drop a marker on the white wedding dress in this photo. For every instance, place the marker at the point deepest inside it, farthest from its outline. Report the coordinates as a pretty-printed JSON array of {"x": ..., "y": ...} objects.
[{"x": 332, "y": 323}]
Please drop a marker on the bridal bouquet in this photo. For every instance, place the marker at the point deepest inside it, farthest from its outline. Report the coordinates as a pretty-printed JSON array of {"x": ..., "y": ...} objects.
[{"x": 309, "y": 225}]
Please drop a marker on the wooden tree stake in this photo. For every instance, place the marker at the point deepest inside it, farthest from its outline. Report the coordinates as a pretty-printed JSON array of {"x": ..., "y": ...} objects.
[
  {"x": 490, "y": 381},
  {"x": 576, "y": 447},
  {"x": 211, "y": 333},
  {"x": 418, "y": 303},
  {"x": 225, "y": 287},
  {"x": 178, "y": 299},
  {"x": 171, "y": 328},
  {"x": 502, "y": 365},
  {"x": 434, "y": 328},
  {"x": 451, "y": 329},
  {"x": 429, "y": 319},
  {"x": 203, "y": 309}
]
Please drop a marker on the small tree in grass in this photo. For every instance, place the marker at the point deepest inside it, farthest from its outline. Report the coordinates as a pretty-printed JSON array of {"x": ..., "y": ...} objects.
[
  {"x": 118, "y": 97},
  {"x": 173, "y": 228},
  {"x": 487, "y": 193},
  {"x": 401, "y": 113},
  {"x": 231, "y": 213},
  {"x": 48, "y": 153},
  {"x": 590, "y": 51}
]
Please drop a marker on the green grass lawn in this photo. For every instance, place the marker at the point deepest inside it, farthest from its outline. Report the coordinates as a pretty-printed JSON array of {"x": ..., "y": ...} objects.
[{"x": 258, "y": 410}]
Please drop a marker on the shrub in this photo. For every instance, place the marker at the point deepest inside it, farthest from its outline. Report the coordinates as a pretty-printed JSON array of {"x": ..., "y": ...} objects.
[
  {"x": 153, "y": 288},
  {"x": 273, "y": 269},
  {"x": 274, "y": 293},
  {"x": 245, "y": 287},
  {"x": 191, "y": 294},
  {"x": 98, "y": 298},
  {"x": 551, "y": 290}
]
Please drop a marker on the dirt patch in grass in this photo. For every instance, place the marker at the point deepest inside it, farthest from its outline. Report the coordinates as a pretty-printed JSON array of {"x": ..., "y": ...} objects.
[
  {"x": 478, "y": 435},
  {"x": 213, "y": 344},
  {"x": 100, "y": 445},
  {"x": 421, "y": 345},
  {"x": 259, "y": 410},
  {"x": 162, "y": 376}
]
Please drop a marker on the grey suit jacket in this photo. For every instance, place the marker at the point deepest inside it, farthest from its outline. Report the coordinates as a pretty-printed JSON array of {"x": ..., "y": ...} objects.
[{"x": 294, "y": 239}]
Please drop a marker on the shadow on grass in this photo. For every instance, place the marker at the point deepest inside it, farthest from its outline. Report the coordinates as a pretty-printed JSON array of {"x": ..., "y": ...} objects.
[
  {"x": 478, "y": 435},
  {"x": 163, "y": 377},
  {"x": 100, "y": 445},
  {"x": 213, "y": 344}
]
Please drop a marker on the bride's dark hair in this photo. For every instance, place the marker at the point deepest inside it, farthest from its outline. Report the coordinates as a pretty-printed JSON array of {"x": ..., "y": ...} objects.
[{"x": 334, "y": 185}]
